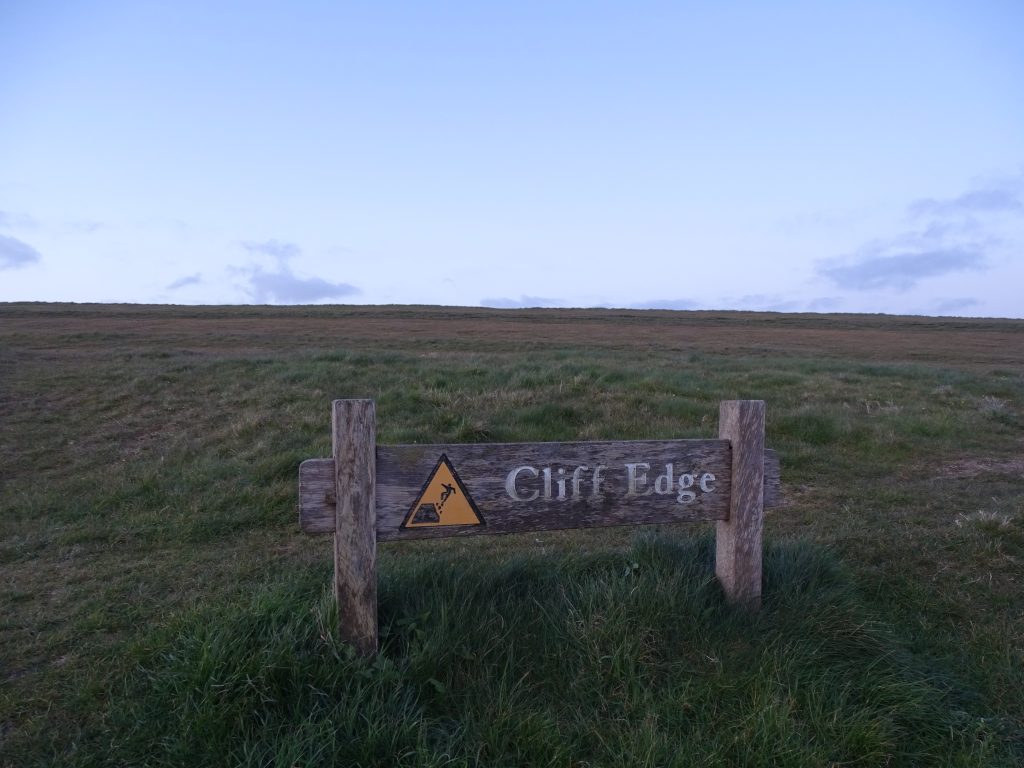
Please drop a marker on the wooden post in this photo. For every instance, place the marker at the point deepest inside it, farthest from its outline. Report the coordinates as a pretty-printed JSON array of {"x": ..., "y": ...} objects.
[
  {"x": 738, "y": 538},
  {"x": 354, "y": 439}
]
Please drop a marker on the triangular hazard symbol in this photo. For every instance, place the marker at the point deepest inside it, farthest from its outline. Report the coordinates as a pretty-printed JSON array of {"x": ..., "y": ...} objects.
[{"x": 444, "y": 500}]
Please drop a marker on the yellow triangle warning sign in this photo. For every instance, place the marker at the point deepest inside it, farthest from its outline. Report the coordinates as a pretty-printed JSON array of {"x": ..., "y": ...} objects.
[{"x": 444, "y": 500}]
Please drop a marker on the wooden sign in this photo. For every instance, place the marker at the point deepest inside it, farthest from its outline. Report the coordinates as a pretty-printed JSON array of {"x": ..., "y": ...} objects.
[{"x": 368, "y": 493}]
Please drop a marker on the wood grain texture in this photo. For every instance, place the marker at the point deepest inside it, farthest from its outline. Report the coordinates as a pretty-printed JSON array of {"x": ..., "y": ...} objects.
[
  {"x": 738, "y": 537},
  {"x": 402, "y": 470},
  {"x": 354, "y": 435},
  {"x": 317, "y": 496}
]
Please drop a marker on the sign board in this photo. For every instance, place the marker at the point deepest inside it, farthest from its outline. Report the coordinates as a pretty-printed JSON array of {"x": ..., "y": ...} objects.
[
  {"x": 538, "y": 486},
  {"x": 369, "y": 493}
]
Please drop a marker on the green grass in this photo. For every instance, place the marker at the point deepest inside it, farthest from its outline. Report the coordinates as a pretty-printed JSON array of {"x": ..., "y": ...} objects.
[
  {"x": 612, "y": 658},
  {"x": 160, "y": 607}
]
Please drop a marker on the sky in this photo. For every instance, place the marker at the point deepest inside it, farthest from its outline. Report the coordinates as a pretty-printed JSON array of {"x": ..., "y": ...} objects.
[{"x": 785, "y": 156}]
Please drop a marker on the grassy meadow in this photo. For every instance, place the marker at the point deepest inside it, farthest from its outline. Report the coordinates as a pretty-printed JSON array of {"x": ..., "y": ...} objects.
[{"x": 159, "y": 606}]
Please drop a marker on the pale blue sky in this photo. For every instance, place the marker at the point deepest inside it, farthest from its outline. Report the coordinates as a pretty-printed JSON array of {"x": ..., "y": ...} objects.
[{"x": 861, "y": 157}]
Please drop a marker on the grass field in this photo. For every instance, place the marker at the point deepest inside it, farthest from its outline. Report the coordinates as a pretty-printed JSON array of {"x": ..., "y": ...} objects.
[{"x": 160, "y": 607}]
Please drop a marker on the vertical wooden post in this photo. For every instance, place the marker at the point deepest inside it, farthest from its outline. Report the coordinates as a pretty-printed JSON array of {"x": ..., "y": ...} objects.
[
  {"x": 354, "y": 438},
  {"x": 738, "y": 539}
]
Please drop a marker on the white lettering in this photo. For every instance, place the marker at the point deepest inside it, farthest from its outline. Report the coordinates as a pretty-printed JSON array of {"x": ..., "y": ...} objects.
[
  {"x": 597, "y": 479},
  {"x": 685, "y": 496},
  {"x": 510, "y": 483},
  {"x": 576, "y": 479},
  {"x": 663, "y": 483},
  {"x": 558, "y": 484},
  {"x": 635, "y": 480}
]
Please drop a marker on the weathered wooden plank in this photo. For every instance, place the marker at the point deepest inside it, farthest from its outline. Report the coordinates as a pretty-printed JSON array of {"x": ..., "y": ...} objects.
[
  {"x": 316, "y": 496},
  {"x": 738, "y": 537},
  {"x": 402, "y": 471},
  {"x": 354, "y": 435}
]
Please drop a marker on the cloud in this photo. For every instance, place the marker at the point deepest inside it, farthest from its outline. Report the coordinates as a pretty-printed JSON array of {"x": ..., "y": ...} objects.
[
  {"x": 279, "y": 250},
  {"x": 954, "y": 306},
  {"x": 949, "y": 235},
  {"x": 181, "y": 282},
  {"x": 874, "y": 268},
  {"x": 774, "y": 302},
  {"x": 999, "y": 198},
  {"x": 284, "y": 287},
  {"x": 82, "y": 227},
  {"x": 71, "y": 227},
  {"x": 8, "y": 219},
  {"x": 667, "y": 304},
  {"x": 14, "y": 253},
  {"x": 521, "y": 303},
  {"x": 823, "y": 304}
]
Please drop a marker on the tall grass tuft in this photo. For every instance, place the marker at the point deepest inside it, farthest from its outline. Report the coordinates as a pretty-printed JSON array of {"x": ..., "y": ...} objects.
[{"x": 602, "y": 658}]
